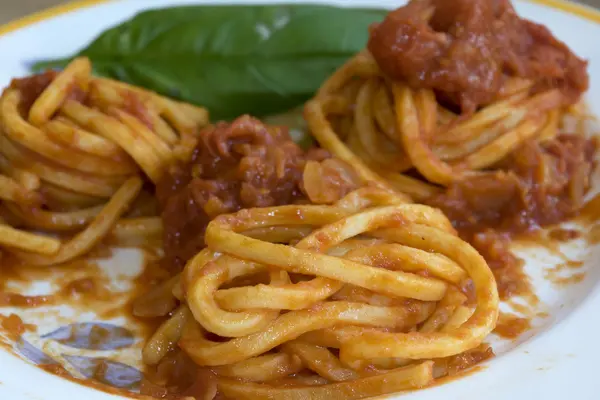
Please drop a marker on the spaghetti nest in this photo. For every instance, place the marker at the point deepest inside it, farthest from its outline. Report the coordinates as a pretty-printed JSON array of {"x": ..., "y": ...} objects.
[
  {"x": 370, "y": 295},
  {"x": 75, "y": 151},
  {"x": 385, "y": 128},
  {"x": 445, "y": 90}
]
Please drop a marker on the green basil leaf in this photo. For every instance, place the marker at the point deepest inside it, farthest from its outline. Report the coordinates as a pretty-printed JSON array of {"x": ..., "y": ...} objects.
[{"x": 260, "y": 60}]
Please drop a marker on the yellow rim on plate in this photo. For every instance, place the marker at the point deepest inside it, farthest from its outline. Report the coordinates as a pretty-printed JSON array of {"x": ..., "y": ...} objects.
[
  {"x": 580, "y": 10},
  {"x": 47, "y": 14}
]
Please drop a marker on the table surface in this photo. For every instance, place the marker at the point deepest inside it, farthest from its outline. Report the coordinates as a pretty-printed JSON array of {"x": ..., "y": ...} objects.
[{"x": 11, "y": 9}]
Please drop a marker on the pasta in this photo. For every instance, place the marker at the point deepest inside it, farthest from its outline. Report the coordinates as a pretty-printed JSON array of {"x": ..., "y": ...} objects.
[
  {"x": 357, "y": 298},
  {"x": 74, "y": 153},
  {"x": 394, "y": 128}
]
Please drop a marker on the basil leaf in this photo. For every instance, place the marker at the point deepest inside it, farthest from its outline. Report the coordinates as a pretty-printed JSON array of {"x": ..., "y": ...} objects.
[{"x": 260, "y": 60}]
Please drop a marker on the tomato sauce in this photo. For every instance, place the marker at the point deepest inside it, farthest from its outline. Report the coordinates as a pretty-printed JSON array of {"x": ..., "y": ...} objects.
[{"x": 465, "y": 49}]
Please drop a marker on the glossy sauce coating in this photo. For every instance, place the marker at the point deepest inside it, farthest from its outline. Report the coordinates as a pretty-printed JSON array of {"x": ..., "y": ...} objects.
[{"x": 464, "y": 50}]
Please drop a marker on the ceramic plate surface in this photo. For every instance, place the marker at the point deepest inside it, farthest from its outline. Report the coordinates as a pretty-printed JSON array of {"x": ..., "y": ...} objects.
[{"x": 555, "y": 360}]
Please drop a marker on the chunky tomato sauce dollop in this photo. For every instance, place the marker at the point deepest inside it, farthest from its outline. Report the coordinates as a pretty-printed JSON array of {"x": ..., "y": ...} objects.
[
  {"x": 238, "y": 165},
  {"x": 465, "y": 49}
]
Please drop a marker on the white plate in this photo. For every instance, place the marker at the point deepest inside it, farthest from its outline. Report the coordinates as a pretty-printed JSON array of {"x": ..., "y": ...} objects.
[{"x": 556, "y": 360}]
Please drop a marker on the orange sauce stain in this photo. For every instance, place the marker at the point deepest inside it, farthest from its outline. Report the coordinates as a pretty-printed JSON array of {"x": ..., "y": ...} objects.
[
  {"x": 524, "y": 309},
  {"x": 511, "y": 326},
  {"x": 59, "y": 370},
  {"x": 590, "y": 211},
  {"x": 589, "y": 217},
  {"x": 565, "y": 273},
  {"x": 564, "y": 235},
  {"x": 79, "y": 282},
  {"x": 542, "y": 314},
  {"x": 593, "y": 236},
  {"x": 14, "y": 326},
  {"x": 542, "y": 239},
  {"x": 562, "y": 281},
  {"x": 83, "y": 286}
]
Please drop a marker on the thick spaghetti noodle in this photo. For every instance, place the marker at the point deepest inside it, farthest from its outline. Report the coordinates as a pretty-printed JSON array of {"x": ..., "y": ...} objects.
[
  {"x": 74, "y": 151},
  {"x": 366, "y": 294}
]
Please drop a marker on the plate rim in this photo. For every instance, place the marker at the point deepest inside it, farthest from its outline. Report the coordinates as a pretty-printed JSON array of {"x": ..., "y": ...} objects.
[
  {"x": 585, "y": 12},
  {"x": 581, "y": 10}
]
